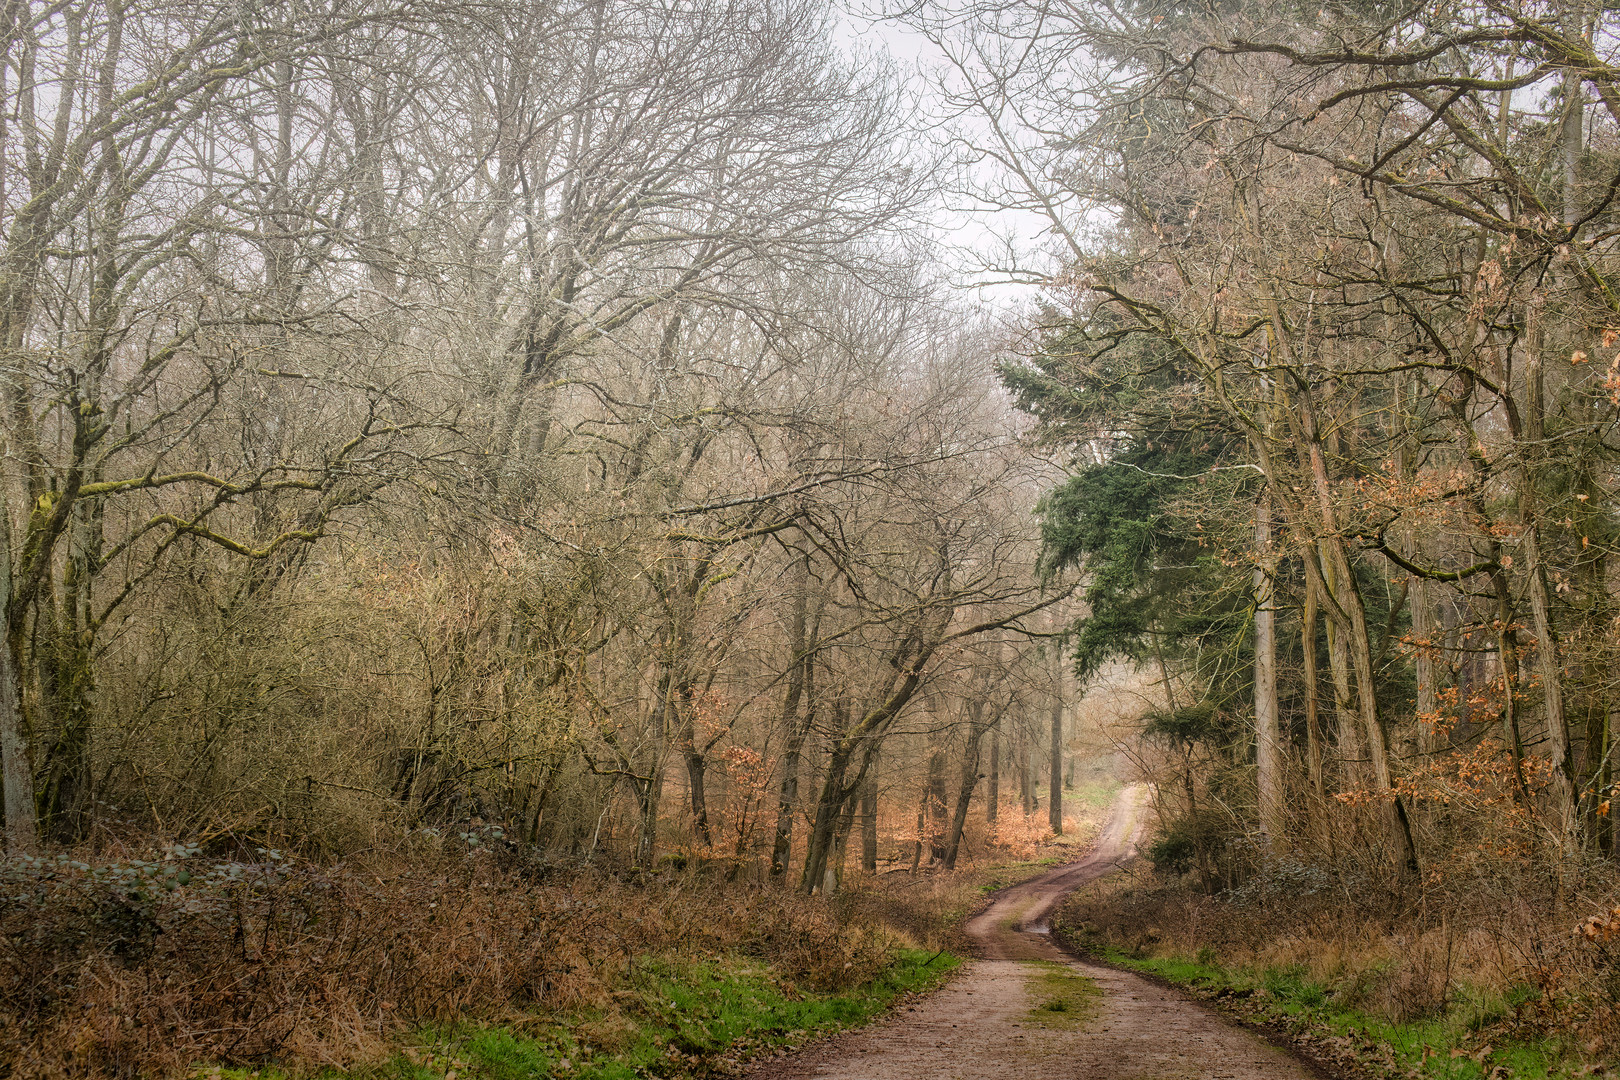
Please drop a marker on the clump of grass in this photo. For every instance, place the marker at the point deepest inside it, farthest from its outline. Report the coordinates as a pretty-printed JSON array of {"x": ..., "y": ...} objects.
[{"x": 1061, "y": 997}]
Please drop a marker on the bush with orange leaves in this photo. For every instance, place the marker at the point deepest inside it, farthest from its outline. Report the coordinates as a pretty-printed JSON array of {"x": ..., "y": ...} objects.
[
  {"x": 143, "y": 967},
  {"x": 1021, "y": 834}
]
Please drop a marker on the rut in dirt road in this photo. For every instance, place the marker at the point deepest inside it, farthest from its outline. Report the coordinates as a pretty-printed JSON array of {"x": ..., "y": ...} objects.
[{"x": 1026, "y": 1007}]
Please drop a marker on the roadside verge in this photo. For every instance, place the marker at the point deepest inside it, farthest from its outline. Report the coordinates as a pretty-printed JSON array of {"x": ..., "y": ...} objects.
[{"x": 1304, "y": 1017}]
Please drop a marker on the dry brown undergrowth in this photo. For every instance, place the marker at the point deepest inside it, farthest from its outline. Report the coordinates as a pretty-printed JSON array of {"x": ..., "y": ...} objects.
[
  {"x": 1516, "y": 944},
  {"x": 150, "y": 961},
  {"x": 118, "y": 970}
]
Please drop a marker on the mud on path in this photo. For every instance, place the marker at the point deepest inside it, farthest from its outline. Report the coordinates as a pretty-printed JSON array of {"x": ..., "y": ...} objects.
[{"x": 992, "y": 1021}]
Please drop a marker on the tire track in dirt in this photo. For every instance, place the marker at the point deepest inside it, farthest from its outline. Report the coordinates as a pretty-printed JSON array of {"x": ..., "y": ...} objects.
[{"x": 981, "y": 1026}]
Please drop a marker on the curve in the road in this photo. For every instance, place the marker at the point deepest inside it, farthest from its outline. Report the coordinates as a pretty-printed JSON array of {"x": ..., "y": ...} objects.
[{"x": 986, "y": 1023}]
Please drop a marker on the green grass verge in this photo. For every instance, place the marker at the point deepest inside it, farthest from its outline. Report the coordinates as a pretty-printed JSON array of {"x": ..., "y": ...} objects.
[
  {"x": 1457, "y": 1045},
  {"x": 676, "y": 1018}
]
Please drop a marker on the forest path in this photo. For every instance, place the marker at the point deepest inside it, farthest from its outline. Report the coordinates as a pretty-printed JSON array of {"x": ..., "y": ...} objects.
[{"x": 996, "y": 1019}]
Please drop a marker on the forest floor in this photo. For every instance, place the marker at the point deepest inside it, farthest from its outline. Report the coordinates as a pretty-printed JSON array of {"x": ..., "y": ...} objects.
[{"x": 1024, "y": 1005}]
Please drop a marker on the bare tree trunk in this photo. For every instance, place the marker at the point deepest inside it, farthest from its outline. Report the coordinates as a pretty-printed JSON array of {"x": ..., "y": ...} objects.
[
  {"x": 66, "y": 680},
  {"x": 1596, "y": 767},
  {"x": 1548, "y": 665},
  {"x": 993, "y": 799},
  {"x": 15, "y": 770},
  {"x": 970, "y": 779},
  {"x": 648, "y": 795},
  {"x": 936, "y": 804},
  {"x": 1344, "y": 714},
  {"x": 787, "y": 800},
  {"x": 1399, "y": 825},
  {"x": 21, "y": 825},
  {"x": 1268, "y": 750},
  {"x": 539, "y": 795},
  {"x": 1572, "y": 130},
  {"x": 796, "y": 721},
  {"x": 696, "y": 770},
  {"x": 1551, "y": 670},
  {"x": 823, "y": 830},
  {"x": 1507, "y": 654},
  {"x": 1026, "y": 774},
  {"x": 1603, "y": 774},
  {"x": 681, "y": 701},
  {"x": 869, "y": 816},
  {"x": 922, "y": 821},
  {"x": 651, "y": 797},
  {"x": 1313, "y": 720},
  {"x": 834, "y": 877},
  {"x": 1054, "y": 809},
  {"x": 1423, "y": 630}
]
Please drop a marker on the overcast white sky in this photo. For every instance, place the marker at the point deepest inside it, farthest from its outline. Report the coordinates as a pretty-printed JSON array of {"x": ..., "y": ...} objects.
[{"x": 975, "y": 237}]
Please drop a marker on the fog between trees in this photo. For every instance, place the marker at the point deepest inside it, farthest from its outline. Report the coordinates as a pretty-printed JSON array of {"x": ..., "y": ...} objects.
[
  {"x": 534, "y": 422},
  {"x": 545, "y": 423}
]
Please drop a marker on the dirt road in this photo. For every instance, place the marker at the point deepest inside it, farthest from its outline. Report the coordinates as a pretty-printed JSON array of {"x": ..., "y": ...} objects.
[{"x": 1025, "y": 1008}]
